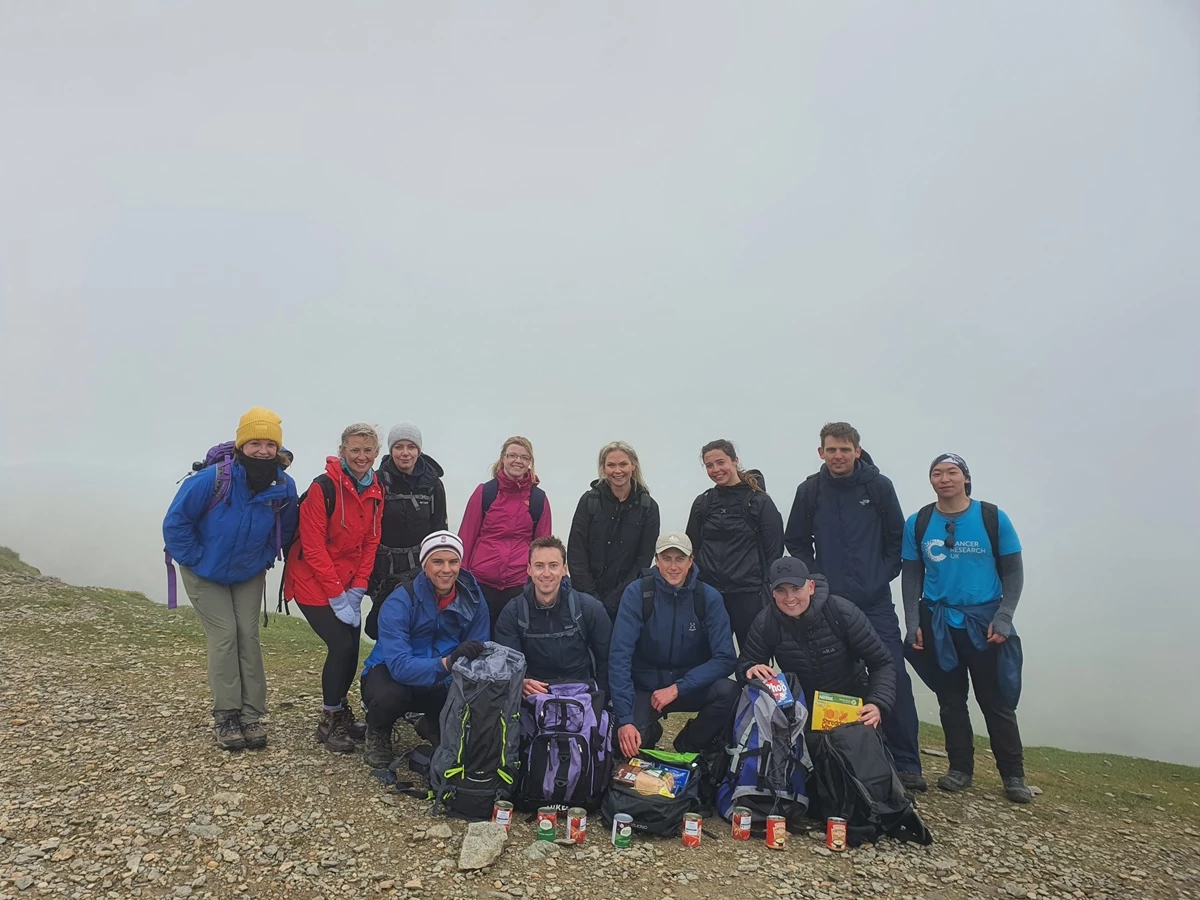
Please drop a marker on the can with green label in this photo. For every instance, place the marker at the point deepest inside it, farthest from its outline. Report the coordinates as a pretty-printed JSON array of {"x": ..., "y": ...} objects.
[{"x": 622, "y": 833}]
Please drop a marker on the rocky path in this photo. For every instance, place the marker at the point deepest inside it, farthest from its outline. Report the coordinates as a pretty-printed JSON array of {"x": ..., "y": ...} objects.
[{"x": 110, "y": 787}]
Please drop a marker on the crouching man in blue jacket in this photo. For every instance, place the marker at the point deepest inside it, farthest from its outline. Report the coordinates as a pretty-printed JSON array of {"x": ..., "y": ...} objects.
[
  {"x": 424, "y": 626},
  {"x": 671, "y": 651}
]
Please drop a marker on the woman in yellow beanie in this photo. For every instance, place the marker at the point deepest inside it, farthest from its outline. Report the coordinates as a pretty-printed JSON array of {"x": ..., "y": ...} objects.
[{"x": 226, "y": 527}]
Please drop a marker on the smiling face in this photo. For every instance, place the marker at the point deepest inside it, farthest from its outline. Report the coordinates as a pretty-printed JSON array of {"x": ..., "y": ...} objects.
[
  {"x": 839, "y": 455},
  {"x": 674, "y": 565},
  {"x": 359, "y": 452},
  {"x": 721, "y": 468},
  {"x": 948, "y": 481},
  {"x": 404, "y": 455},
  {"x": 441, "y": 568},
  {"x": 618, "y": 469},
  {"x": 546, "y": 569},
  {"x": 517, "y": 461},
  {"x": 258, "y": 449},
  {"x": 793, "y": 599}
]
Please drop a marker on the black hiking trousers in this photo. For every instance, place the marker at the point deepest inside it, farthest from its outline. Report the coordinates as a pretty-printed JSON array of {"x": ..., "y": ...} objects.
[
  {"x": 341, "y": 658},
  {"x": 387, "y": 700}
]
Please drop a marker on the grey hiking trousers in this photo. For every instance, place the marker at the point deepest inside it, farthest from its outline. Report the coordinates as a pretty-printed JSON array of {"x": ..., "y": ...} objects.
[{"x": 229, "y": 614}]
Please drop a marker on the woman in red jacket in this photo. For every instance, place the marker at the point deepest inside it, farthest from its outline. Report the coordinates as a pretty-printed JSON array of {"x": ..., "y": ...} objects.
[
  {"x": 328, "y": 567},
  {"x": 503, "y": 517}
]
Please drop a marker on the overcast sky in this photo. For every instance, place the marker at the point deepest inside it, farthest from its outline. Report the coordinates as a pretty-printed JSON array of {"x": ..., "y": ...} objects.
[{"x": 960, "y": 226}]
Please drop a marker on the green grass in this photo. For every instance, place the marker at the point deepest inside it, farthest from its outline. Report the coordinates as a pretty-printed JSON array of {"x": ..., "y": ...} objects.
[{"x": 10, "y": 561}]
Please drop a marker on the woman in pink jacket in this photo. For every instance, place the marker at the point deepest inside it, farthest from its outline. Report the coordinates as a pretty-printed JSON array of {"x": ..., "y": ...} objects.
[{"x": 503, "y": 517}]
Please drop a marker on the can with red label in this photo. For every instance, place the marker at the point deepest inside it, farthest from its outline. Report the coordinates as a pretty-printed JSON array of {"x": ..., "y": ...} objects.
[
  {"x": 776, "y": 832},
  {"x": 742, "y": 822},
  {"x": 577, "y": 824},
  {"x": 502, "y": 813},
  {"x": 547, "y": 823},
  {"x": 693, "y": 825},
  {"x": 835, "y": 833}
]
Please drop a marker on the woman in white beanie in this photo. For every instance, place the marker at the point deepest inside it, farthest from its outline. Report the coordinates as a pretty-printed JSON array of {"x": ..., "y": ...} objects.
[{"x": 414, "y": 506}]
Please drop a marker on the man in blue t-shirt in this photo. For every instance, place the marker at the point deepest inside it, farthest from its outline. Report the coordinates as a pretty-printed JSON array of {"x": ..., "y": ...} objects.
[{"x": 961, "y": 579}]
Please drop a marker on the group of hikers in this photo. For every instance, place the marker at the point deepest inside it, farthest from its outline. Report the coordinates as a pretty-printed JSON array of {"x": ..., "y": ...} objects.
[{"x": 649, "y": 615}]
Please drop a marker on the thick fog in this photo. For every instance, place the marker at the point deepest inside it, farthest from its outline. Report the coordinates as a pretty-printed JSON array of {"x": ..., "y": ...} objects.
[{"x": 966, "y": 227}]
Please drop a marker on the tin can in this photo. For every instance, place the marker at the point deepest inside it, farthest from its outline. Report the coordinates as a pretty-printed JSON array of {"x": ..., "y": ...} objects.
[
  {"x": 742, "y": 822},
  {"x": 622, "y": 833},
  {"x": 835, "y": 833},
  {"x": 502, "y": 813},
  {"x": 776, "y": 832},
  {"x": 547, "y": 823},
  {"x": 577, "y": 824},
  {"x": 693, "y": 825}
]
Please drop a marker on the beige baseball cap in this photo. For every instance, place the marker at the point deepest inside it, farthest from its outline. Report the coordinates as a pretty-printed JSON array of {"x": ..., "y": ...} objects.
[{"x": 676, "y": 539}]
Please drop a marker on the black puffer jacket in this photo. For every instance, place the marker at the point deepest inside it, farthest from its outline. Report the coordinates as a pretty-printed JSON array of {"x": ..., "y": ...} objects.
[
  {"x": 611, "y": 541},
  {"x": 846, "y": 659},
  {"x": 736, "y": 533},
  {"x": 414, "y": 506}
]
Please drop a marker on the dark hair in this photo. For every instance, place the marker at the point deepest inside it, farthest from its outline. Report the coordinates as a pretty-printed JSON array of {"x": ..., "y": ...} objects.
[
  {"x": 544, "y": 542},
  {"x": 729, "y": 450},
  {"x": 842, "y": 431}
]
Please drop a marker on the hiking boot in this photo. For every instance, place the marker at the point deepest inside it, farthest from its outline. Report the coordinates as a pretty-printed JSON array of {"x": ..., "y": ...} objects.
[
  {"x": 1016, "y": 790},
  {"x": 954, "y": 781},
  {"x": 427, "y": 730},
  {"x": 378, "y": 752},
  {"x": 227, "y": 731},
  {"x": 913, "y": 781},
  {"x": 255, "y": 734},
  {"x": 357, "y": 730},
  {"x": 333, "y": 727}
]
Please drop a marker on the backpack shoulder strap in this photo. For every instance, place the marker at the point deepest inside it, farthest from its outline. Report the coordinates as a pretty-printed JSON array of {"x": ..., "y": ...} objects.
[
  {"x": 593, "y": 503},
  {"x": 700, "y": 602},
  {"x": 490, "y": 490},
  {"x": 537, "y": 504},
  {"x": 812, "y": 495},
  {"x": 922, "y": 525},
  {"x": 834, "y": 620},
  {"x": 645, "y": 501},
  {"x": 223, "y": 472},
  {"x": 522, "y": 614},
  {"x": 576, "y": 612},
  {"x": 647, "y": 598},
  {"x": 991, "y": 524},
  {"x": 329, "y": 491}
]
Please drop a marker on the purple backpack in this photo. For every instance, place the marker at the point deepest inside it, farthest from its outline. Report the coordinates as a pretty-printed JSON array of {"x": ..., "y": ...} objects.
[
  {"x": 221, "y": 456},
  {"x": 566, "y": 747}
]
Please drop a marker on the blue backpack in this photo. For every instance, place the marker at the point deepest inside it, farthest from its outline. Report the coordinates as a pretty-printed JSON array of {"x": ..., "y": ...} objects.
[{"x": 768, "y": 761}]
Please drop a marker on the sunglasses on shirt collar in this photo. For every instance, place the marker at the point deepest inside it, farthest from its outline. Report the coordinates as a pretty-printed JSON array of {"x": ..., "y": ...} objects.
[{"x": 950, "y": 526}]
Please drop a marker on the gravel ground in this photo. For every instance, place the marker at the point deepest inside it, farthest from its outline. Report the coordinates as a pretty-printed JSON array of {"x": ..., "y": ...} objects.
[{"x": 111, "y": 787}]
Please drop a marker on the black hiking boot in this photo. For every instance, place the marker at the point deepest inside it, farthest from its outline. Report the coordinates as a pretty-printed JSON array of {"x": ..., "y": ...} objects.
[
  {"x": 356, "y": 729},
  {"x": 427, "y": 730},
  {"x": 227, "y": 730},
  {"x": 378, "y": 752},
  {"x": 954, "y": 781},
  {"x": 255, "y": 734},
  {"x": 913, "y": 781},
  {"x": 331, "y": 731},
  {"x": 1016, "y": 790}
]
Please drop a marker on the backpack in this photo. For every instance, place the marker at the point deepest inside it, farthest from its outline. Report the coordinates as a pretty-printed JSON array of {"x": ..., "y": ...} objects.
[
  {"x": 991, "y": 525},
  {"x": 593, "y": 504},
  {"x": 856, "y": 779},
  {"x": 222, "y": 456},
  {"x": 654, "y": 813},
  {"x": 537, "y": 500},
  {"x": 330, "y": 493},
  {"x": 566, "y": 748},
  {"x": 478, "y": 758},
  {"x": 769, "y": 759},
  {"x": 699, "y": 601}
]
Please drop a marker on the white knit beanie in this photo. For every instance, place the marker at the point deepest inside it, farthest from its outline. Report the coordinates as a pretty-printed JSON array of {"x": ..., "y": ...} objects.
[
  {"x": 441, "y": 540},
  {"x": 405, "y": 431}
]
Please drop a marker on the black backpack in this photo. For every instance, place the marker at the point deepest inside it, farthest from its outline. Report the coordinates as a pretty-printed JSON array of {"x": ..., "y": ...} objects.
[
  {"x": 537, "y": 500},
  {"x": 699, "y": 600},
  {"x": 991, "y": 525},
  {"x": 854, "y": 778}
]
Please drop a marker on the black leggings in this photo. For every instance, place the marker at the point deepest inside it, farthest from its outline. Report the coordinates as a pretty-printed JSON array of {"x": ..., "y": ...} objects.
[
  {"x": 743, "y": 607},
  {"x": 387, "y": 701},
  {"x": 497, "y": 599},
  {"x": 341, "y": 661}
]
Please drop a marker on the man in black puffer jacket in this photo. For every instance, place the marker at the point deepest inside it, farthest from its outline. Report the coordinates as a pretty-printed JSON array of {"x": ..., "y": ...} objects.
[{"x": 824, "y": 640}]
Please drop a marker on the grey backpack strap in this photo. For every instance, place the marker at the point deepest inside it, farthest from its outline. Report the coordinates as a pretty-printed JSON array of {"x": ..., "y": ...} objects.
[{"x": 522, "y": 614}]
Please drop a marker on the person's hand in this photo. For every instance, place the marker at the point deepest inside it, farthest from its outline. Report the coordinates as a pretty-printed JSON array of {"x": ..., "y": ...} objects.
[
  {"x": 531, "y": 686},
  {"x": 870, "y": 715},
  {"x": 345, "y": 610},
  {"x": 630, "y": 740},
  {"x": 356, "y": 595},
  {"x": 995, "y": 637},
  {"x": 761, "y": 672},
  {"x": 664, "y": 697},
  {"x": 919, "y": 643},
  {"x": 466, "y": 650}
]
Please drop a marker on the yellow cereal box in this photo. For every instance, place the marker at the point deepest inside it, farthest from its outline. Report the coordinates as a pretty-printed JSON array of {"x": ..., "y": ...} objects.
[{"x": 831, "y": 710}]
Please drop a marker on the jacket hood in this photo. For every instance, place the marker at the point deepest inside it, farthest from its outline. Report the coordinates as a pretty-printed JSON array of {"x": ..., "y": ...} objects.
[
  {"x": 425, "y": 463},
  {"x": 864, "y": 470}
]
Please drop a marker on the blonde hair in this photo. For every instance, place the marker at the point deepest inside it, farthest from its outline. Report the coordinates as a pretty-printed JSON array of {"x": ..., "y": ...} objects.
[
  {"x": 521, "y": 442},
  {"x": 359, "y": 429},
  {"x": 633, "y": 458}
]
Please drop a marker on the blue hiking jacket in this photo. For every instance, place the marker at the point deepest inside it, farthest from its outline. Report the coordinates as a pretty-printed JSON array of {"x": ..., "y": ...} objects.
[
  {"x": 673, "y": 647},
  {"x": 977, "y": 619},
  {"x": 235, "y": 540},
  {"x": 414, "y": 635},
  {"x": 856, "y": 534}
]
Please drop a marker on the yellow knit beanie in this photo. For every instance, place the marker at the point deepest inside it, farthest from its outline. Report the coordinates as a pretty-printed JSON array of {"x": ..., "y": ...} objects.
[{"x": 259, "y": 424}]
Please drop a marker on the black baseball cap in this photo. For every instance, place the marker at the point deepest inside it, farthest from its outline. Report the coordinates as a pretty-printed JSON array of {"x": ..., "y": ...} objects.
[{"x": 789, "y": 570}]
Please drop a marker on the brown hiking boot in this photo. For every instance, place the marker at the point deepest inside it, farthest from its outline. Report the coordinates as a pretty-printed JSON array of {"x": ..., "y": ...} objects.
[
  {"x": 378, "y": 753},
  {"x": 227, "y": 731},
  {"x": 255, "y": 734},
  {"x": 357, "y": 730},
  {"x": 331, "y": 731}
]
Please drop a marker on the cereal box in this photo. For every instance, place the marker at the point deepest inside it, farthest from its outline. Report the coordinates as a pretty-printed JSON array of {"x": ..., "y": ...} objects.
[{"x": 831, "y": 710}]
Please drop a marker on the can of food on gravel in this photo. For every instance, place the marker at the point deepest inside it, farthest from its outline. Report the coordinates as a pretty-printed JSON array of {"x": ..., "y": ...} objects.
[
  {"x": 742, "y": 821},
  {"x": 693, "y": 825},
  {"x": 502, "y": 813},
  {"x": 622, "y": 833},
  {"x": 577, "y": 824},
  {"x": 776, "y": 832},
  {"x": 547, "y": 823},
  {"x": 835, "y": 833}
]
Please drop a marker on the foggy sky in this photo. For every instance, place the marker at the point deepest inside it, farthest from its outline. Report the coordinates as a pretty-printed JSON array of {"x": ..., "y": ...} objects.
[{"x": 961, "y": 227}]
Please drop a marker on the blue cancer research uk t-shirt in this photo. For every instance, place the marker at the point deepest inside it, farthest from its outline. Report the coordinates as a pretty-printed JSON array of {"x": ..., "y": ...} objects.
[{"x": 966, "y": 575}]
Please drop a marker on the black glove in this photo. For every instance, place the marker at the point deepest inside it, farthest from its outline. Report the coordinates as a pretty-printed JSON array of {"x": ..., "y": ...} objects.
[{"x": 466, "y": 650}]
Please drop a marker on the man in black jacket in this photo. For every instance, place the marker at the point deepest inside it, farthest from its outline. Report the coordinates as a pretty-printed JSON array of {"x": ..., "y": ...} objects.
[
  {"x": 824, "y": 640},
  {"x": 564, "y": 633}
]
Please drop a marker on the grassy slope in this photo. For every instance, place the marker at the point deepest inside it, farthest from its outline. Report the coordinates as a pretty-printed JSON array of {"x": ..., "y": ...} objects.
[{"x": 1118, "y": 788}]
